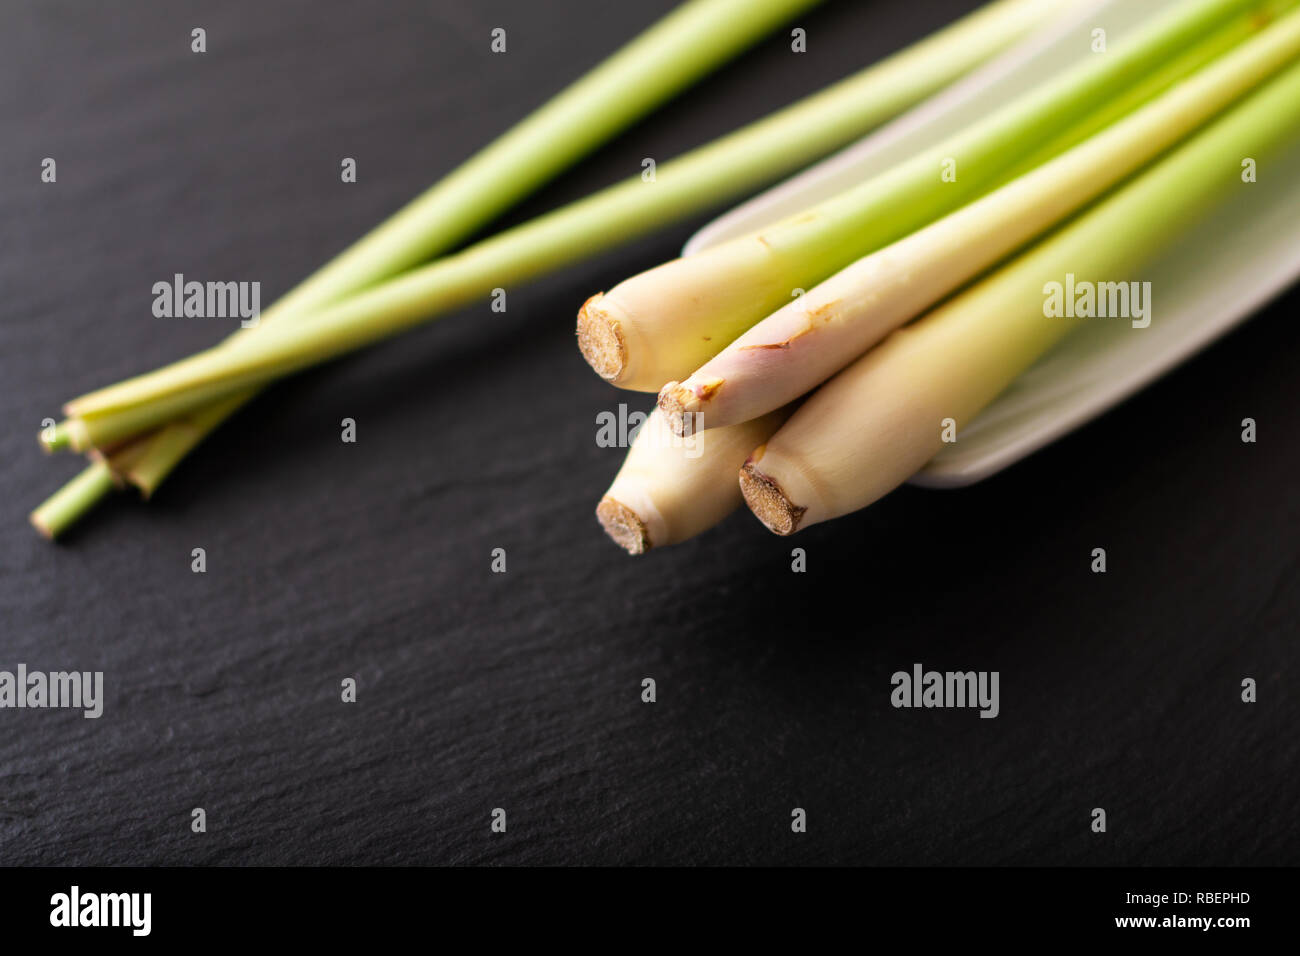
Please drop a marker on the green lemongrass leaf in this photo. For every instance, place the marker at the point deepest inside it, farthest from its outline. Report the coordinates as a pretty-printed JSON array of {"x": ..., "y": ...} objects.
[{"x": 1190, "y": 61}]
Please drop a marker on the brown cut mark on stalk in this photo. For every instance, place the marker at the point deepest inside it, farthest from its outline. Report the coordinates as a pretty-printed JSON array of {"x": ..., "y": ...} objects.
[
  {"x": 823, "y": 313},
  {"x": 601, "y": 340},
  {"x": 812, "y": 324},
  {"x": 766, "y": 499},
  {"x": 706, "y": 390},
  {"x": 623, "y": 525}
]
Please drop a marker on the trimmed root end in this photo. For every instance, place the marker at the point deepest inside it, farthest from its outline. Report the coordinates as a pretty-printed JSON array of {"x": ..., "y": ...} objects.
[
  {"x": 63, "y": 508},
  {"x": 680, "y": 407},
  {"x": 55, "y": 439},
  {"x": 38, "y": 522},
  {"x": 768, "y": 502},
  {"x": 622, "y": 524},
  {"x": 600, "y": 340}
]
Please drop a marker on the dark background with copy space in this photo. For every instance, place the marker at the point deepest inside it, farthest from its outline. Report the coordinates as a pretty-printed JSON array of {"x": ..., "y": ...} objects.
[{"x": 522, "y": 691}]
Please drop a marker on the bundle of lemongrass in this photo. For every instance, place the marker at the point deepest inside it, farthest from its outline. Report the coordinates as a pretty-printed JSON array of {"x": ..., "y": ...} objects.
[
  {"x": 136, "y": 432},
  {"x": 925, "y": 292},
  {"x": 926, "y": 297}
]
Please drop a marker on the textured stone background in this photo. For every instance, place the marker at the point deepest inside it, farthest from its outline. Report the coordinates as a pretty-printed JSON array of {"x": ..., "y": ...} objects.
[{"x": 521, "y": 690}]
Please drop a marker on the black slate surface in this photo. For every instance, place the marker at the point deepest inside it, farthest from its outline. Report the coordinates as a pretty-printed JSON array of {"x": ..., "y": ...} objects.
[{"x": 522, "y": 690}]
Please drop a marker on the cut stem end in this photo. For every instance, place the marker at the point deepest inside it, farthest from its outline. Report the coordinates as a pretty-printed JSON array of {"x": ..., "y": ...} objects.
[
  {"x": 56, "y": 438},
  {"x": 601, "y": 340},
  {"x": 623, "y": 525},
  {"x": 69, "y": 503},
  {"x": 768, "y": 502},
  {"x": 681, "y": 408}
]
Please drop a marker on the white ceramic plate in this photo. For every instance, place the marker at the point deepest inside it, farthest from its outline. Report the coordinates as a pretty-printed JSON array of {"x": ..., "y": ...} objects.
[{"x": 1219, "y": 274}]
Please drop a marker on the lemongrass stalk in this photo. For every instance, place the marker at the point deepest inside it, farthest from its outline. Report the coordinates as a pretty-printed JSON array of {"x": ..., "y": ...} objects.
[
  {"x": 662, "y": 61},
  {"x": 670, "y": 489},
  {"x": 704, "y": 177},
  {"x": 662, "y": 324},
  {"x": 63, "y": 508},
  {"x": 1162, "y": 79},
  {"x": 881, "y": 419},
  {"x": 804, "y": 343}
]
